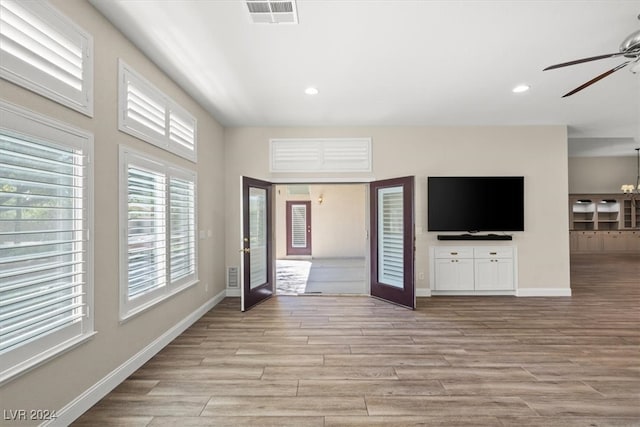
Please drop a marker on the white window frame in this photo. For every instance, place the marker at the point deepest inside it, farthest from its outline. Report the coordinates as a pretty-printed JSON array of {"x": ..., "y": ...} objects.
[
  {"x": 29, "y": 76},
  {"x": 165, "y": 139},
  {"x": 17, "y": 121},
  {"x": 132, "y": 307}
]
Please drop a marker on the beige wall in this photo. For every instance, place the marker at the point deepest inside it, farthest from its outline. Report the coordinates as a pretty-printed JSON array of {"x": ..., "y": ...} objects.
[
  {"x": 539, "y": 153},
  {"x": 56, "y": 383},
  {"x": 337, "y": 225},
  {"x": 601, "y": 174}
]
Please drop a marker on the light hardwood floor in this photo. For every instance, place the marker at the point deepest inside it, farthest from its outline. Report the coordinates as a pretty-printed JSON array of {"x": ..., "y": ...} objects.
[{"x": 357, "y": 361}]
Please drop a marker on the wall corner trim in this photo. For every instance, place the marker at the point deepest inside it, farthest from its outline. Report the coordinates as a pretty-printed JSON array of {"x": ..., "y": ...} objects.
[
  {"x": 92, "y": 395},
  {"x": 543, "y": 292}
]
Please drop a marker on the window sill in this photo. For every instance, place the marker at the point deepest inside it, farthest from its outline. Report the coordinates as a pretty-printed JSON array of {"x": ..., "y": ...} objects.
[
  {"x": 134, "y": 312},
  {"x": 44, "y": 357}
]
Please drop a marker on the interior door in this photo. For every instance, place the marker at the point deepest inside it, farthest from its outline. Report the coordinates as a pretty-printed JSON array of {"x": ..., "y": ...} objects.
[
  {"x": 256, "y": 249},
  {"x": 392, "y": 241},
  {"x": 298, "y": 227}
]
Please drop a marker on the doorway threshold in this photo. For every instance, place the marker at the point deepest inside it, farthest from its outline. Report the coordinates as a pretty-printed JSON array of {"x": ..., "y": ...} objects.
[{"x": 321, "y": 276}]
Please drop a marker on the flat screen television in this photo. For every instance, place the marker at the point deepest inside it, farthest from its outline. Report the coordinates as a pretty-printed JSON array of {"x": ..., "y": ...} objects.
[{"x": 475, "y": 203}]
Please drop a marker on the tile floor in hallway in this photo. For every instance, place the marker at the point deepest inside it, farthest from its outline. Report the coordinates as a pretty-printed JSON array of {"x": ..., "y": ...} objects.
[{"x": 327, "y": 276}]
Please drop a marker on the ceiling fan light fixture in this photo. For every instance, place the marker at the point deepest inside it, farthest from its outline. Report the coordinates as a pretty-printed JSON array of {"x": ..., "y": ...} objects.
[{"x": 521, "y": 88}]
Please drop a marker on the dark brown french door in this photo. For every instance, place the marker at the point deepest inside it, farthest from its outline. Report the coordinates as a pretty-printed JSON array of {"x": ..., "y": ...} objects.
[
  {"x": 298, "y": 228},
  {"x": 392, "y": 241},
  {"x": 256, "y": 242}
]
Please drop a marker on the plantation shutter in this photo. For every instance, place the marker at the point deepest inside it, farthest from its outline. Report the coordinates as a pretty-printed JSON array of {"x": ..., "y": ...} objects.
[
  {"x": 44, "y": 51},
  {"x": 258, "y": 238},
  {"x": 298, "y": 226},
  {"x": 182, "y": 129},
  {"x": 183, "y": 228},
  {"x": 146, "y": 226},
  {"x": 144, "y": 112},
  {"x": 43, "y": 240},
  {"x": 390, "y": 237},
  {"x": 320, "y": 155},
  {"x": 147, "y": 113},
  {"x": 158, "y": 248}
]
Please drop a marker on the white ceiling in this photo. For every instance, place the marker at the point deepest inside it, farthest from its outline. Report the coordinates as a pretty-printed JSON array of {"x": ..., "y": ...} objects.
[{"x": 399, "y": 63}]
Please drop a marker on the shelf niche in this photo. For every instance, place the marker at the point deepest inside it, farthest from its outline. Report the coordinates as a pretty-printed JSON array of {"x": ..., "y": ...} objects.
[{"x": 604, "y": 223}]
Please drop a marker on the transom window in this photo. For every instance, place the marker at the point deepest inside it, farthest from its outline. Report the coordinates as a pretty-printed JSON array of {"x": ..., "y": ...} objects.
[
  {"x": 44, "y": 51},
  {"x": 147, "y": 113}
]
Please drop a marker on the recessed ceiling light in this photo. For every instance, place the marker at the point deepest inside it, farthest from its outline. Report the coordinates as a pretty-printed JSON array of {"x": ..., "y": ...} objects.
[
  {"x": 520, "y": 88},
  {"x": 311, "y": 91}
]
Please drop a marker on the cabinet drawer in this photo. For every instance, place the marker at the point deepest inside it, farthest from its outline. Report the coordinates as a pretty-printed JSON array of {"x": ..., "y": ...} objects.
[
  {"x": 449, "y": 252},
  {"x": 498, "y": 252}
]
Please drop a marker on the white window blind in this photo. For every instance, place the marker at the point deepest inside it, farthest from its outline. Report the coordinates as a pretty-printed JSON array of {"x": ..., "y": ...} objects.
[
  {"x": 299, "y": 226},
  {"x": 45, "y": 254},
  {"x": 147, "y": 113},
  {"x": 182, "y": 130},
  {"x": 158, "y": 221},
  {"x": 390, "y": 236},
  {"x": 146, "y": 225},
  {"x": 183, "y": 228},
  {"x": 320, "y": 155},
  {"x": 258, "y": 238},
  {"x": 42, "y": 50}
]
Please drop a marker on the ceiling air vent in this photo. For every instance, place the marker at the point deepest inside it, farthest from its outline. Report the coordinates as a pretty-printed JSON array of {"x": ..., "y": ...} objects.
[{"x": 273, "y": 11}]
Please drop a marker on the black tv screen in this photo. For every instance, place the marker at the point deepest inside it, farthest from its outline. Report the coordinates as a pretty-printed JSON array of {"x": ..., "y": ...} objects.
[{"x": 472, "y": 203}]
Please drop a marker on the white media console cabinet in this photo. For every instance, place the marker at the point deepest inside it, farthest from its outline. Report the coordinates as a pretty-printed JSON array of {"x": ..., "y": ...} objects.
[{"x": 473, "y": 270}]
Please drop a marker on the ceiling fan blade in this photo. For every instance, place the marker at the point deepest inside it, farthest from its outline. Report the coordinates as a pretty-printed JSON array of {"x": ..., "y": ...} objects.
[
  {"x": 595, "y": 79},
  {"x": 580, "y": 61}
]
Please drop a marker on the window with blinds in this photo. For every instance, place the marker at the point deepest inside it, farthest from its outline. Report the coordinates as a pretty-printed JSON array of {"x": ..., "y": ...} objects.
[
  {"x": 146, "y": 230},
  {"x": 43, "y": 51},
  {"x": 390, "y": 236},
  {"x": 182, "y": 205},
  {"x": 158, "y": 219},
  {"x": 147, "y": 113},
  {"x": 299, "y": 226},
  {"x": 45, "y": 254},
  {"x": 144, "y": 112},
  {"x": 182, "y": 130},
  {"x": 320, "y": 155}
]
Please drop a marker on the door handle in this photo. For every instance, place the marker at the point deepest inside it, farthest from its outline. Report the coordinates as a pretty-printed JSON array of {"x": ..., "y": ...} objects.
[{"x": 245, "y": 250}]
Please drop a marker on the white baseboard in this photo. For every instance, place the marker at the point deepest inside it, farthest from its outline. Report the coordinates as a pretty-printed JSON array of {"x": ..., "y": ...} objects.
[
  {"x": 423, "y": 292},
  {"x": 91, "y": 396},
  {"x": 523, "y": 292},
  {"x": 233, "y": 292},
  {"x": 543, "y": 292}
]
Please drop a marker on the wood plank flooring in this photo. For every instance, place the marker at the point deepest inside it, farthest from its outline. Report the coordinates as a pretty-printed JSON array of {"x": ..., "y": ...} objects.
[{"x": 357, "y": 361}]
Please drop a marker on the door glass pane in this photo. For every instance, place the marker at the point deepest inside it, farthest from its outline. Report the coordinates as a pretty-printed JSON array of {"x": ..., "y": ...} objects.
[
  {"x": 390, "y": 237},
  {"x": 258, "y": 236},
  {"x": 299, "y": 226}
]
